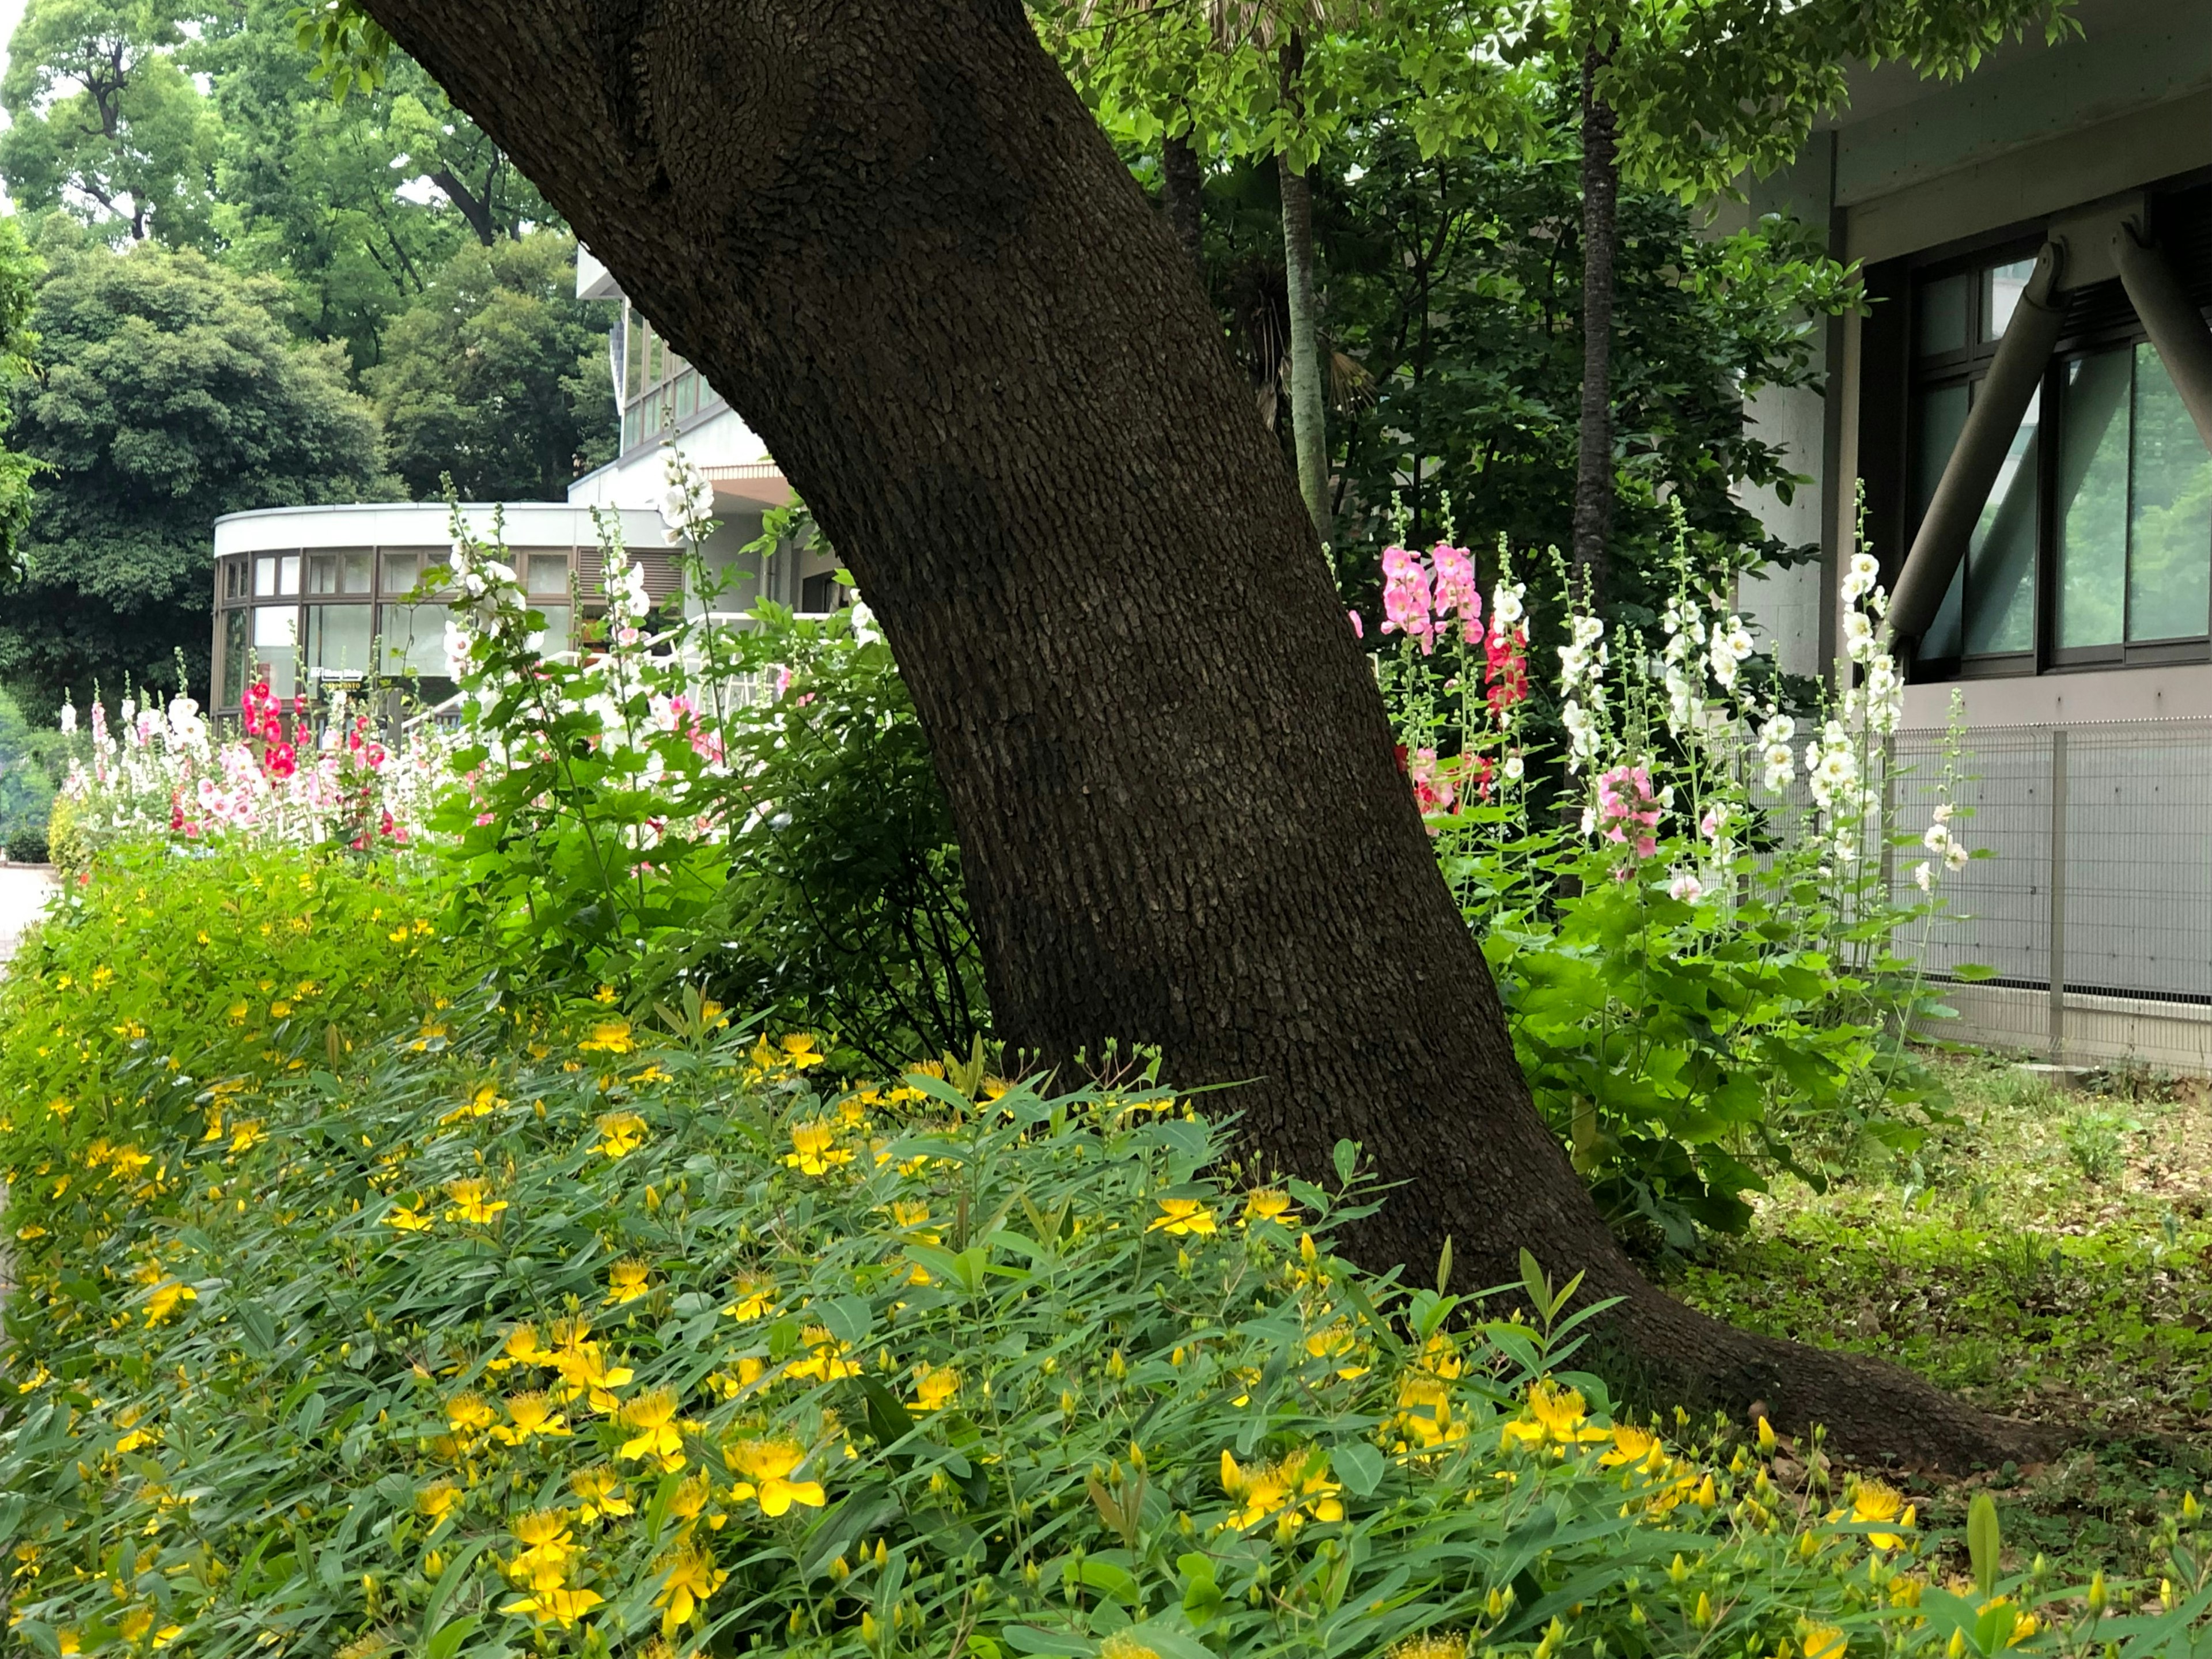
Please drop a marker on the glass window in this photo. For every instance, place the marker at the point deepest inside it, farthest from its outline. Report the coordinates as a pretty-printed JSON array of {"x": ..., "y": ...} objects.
[
  {"x": 2001, "y": 556},
  {"x": 687, "y": 394},
  {"x": 2002, "y": 287},
  {"x": 275, "y": 637},
  {"x": 656, "y": 359},
  {"x": 633, "y": 425},
  {"x": 288, "y": 573},
  {"x": 354, "y": 565},
  {"x": 547, "y": 572},
  {"x": 2092, "y": 499},
  {"x": 1941, "y": 325},
  {"x": 237, "y": 657},
  {"x": 322, "y": 573},
  {"x": 554, "y": 636},
  {"x": 634, "y": 357},
  {"x": 337, "y": 642},
  {"x": 2170, "y": 519},
  {"x": 264, "y": 576},
  {"x": 1940, "y": 417},
  {"x": 413, "y": 640}
]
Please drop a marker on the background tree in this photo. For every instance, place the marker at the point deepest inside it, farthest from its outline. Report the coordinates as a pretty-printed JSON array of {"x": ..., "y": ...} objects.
[
  {"x": 19, "y": 279},
  {"x": 104, "y": 122},
  {"x": 168, "y": 391},
  {"x": 497, "y": 373},
  {"x": 977, "y": 354}
]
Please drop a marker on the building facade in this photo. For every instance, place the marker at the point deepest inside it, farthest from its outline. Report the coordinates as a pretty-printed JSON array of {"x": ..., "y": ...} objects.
[
  {"x": 2075, "y": 541},
  {"x": 2026, "y": 403},
  {"x": 314, "y": 598},
  {"x": 662, "y": 397}
]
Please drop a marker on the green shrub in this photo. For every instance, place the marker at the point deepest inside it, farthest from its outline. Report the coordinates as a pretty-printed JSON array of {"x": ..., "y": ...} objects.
[
  {"x": 26, "y": 844},
  {"x": 66, "y": 847},
  {"x": 515, "y": 1334},
  {"x": 166, "y": 980}
]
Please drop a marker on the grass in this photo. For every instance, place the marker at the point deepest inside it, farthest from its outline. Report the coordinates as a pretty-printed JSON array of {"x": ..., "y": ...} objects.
[{"x": 2047, "y": 1256}]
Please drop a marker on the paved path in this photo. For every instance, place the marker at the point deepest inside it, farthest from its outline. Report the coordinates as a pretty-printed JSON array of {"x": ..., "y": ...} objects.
[{"x": 23, "y": 889}]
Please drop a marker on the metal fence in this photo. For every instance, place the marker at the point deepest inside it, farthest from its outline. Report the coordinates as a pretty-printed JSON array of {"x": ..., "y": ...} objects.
[{"x": 2094, "y": 904}]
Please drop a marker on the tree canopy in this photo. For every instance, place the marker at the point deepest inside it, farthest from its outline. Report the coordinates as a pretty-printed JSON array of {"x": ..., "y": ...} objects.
[
  {"x": 497, "y": 374},
  {"x": 168, "y": 391}
]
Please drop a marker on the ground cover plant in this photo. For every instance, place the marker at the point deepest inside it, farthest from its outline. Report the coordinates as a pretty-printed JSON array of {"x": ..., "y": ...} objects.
[
  {"x": 529, "y": 1328},
  {"x": 2043, "y": 1255},
  {"x": 171, "y": 983}
]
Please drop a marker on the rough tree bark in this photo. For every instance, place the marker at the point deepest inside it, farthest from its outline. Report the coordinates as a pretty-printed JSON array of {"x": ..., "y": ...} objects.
[
  {"x": 1309, "y": 429},
  {"x": 1182, "y": 184},
  {"x": 894, "y": 238},
  {"x": 1600, "y": 171}
]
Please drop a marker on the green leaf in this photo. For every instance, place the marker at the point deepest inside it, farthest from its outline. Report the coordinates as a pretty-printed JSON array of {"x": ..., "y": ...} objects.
[
  {"x": 1358, "y": 1466},
  {"x": 1984, "y": 1542},
  {"x": 1347, "y": 1158}
]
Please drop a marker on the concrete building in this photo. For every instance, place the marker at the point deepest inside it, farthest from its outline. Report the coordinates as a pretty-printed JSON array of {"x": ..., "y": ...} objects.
[
  {"x": 662, "y": 397},
  {"x": 2029, "y": 405}
]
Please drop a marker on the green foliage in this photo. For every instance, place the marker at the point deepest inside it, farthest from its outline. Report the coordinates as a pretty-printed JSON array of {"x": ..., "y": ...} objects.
[
  {"x": 1685, "y": 1052},
  {"x": 520, "y": 1329},
  {"x": 167, "y": 977},
  {"x": 359, "y": 201},
  {"x": 167, "y": 391},
  {"x": 104, "y": 122},
  {"x": 1455, "y": 290},
  {"x": 843, "y": 909},
  {"x": 495, "y": 376},
  {"x": 28, "y": 761},
  {"x": 1985, "y": 1263},
  {"x": 749, "y": 809},
  {"x": 2097, "y": 1141}
]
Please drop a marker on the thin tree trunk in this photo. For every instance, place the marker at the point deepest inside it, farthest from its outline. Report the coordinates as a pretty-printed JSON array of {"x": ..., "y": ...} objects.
[
  {"x": 1594, "y": 468},
  {"x": 1309, "y": 427},
  {"x": 1182, "y": 184},
  {"x": 894, "y": 238}
]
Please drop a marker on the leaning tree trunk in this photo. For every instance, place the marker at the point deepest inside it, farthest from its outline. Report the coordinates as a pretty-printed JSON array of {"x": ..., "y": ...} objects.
[
  {"x": 893, "y": 236},
  {"x": 1309, "y": 427},
  {"x": 1183, "y": 186},
  {"x": 1592, "y": 527}
]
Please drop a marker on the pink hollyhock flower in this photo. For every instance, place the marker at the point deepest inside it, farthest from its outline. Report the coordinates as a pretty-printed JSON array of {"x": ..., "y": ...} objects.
[
  {"x": 1358, "y": 627},
  {"x": 1627, "y": 810},
  {"x": 1456, "y": 592},
  {"x": 1504, "y": 669},
  {"x": 1406, "y": 602},
  {"x": 279, "y": 760}
]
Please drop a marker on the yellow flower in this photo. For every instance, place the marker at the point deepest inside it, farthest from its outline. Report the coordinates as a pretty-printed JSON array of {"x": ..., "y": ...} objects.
[
  {"x": 692, "y": 1578},
  {"x": 548, "y": 1544},
  {"x": 620, "y": 1133},
  {"x": 767, "y": 1465},
  {"x": 469, "y": 1413},
  {"x": 532, "y": 1415},
  {"x": 1300, "y": 1480},
  {"x": 653, "y": 1414},
  {"x": 473, "y": 1201},
  {"x": 1824, "y": 1641},
  {"x": 1122, "y": 1646},
  {"x": 1182, "y": 1215},
  {"x": 408, "y": 1219},
  {"x": 437, "y": 1500},
  {"x": 934, "y": 1388},
  {"x": 602, "y": 1492},
  {"x": 609, "y": 1037},
  {"x": 825, "y": 1361},
  {"x": 1432, "y": 1644},
  {"x": 815, "y": 1150},
  {"x": 583, "y": 1367},
  {"x": 1425, "y": 1412},
  {"x": 166, "y": 1300},
  {"x": 626, "y": 1281},
  {"x": 521, "y": 1348},
  {"x": 1630, "y": 1445},
  {"x": 556, "y": 1605},
  {"x": 245, "y": 1135},
  {"x": 1876, "y": 1502},
  {"x": 1553, "y": 1414},
  {"x": 1266, "y": 1204},
  {"x": 755, "y": 1297},
  {"x": 799, "y": 1052}
]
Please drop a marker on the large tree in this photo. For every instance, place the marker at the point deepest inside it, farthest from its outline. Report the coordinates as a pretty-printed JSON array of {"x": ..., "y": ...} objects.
[
  {"x": 892, "y": 235},
  {"x": 497, "y": 376},
  {"x": 167, "y": 390}
]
